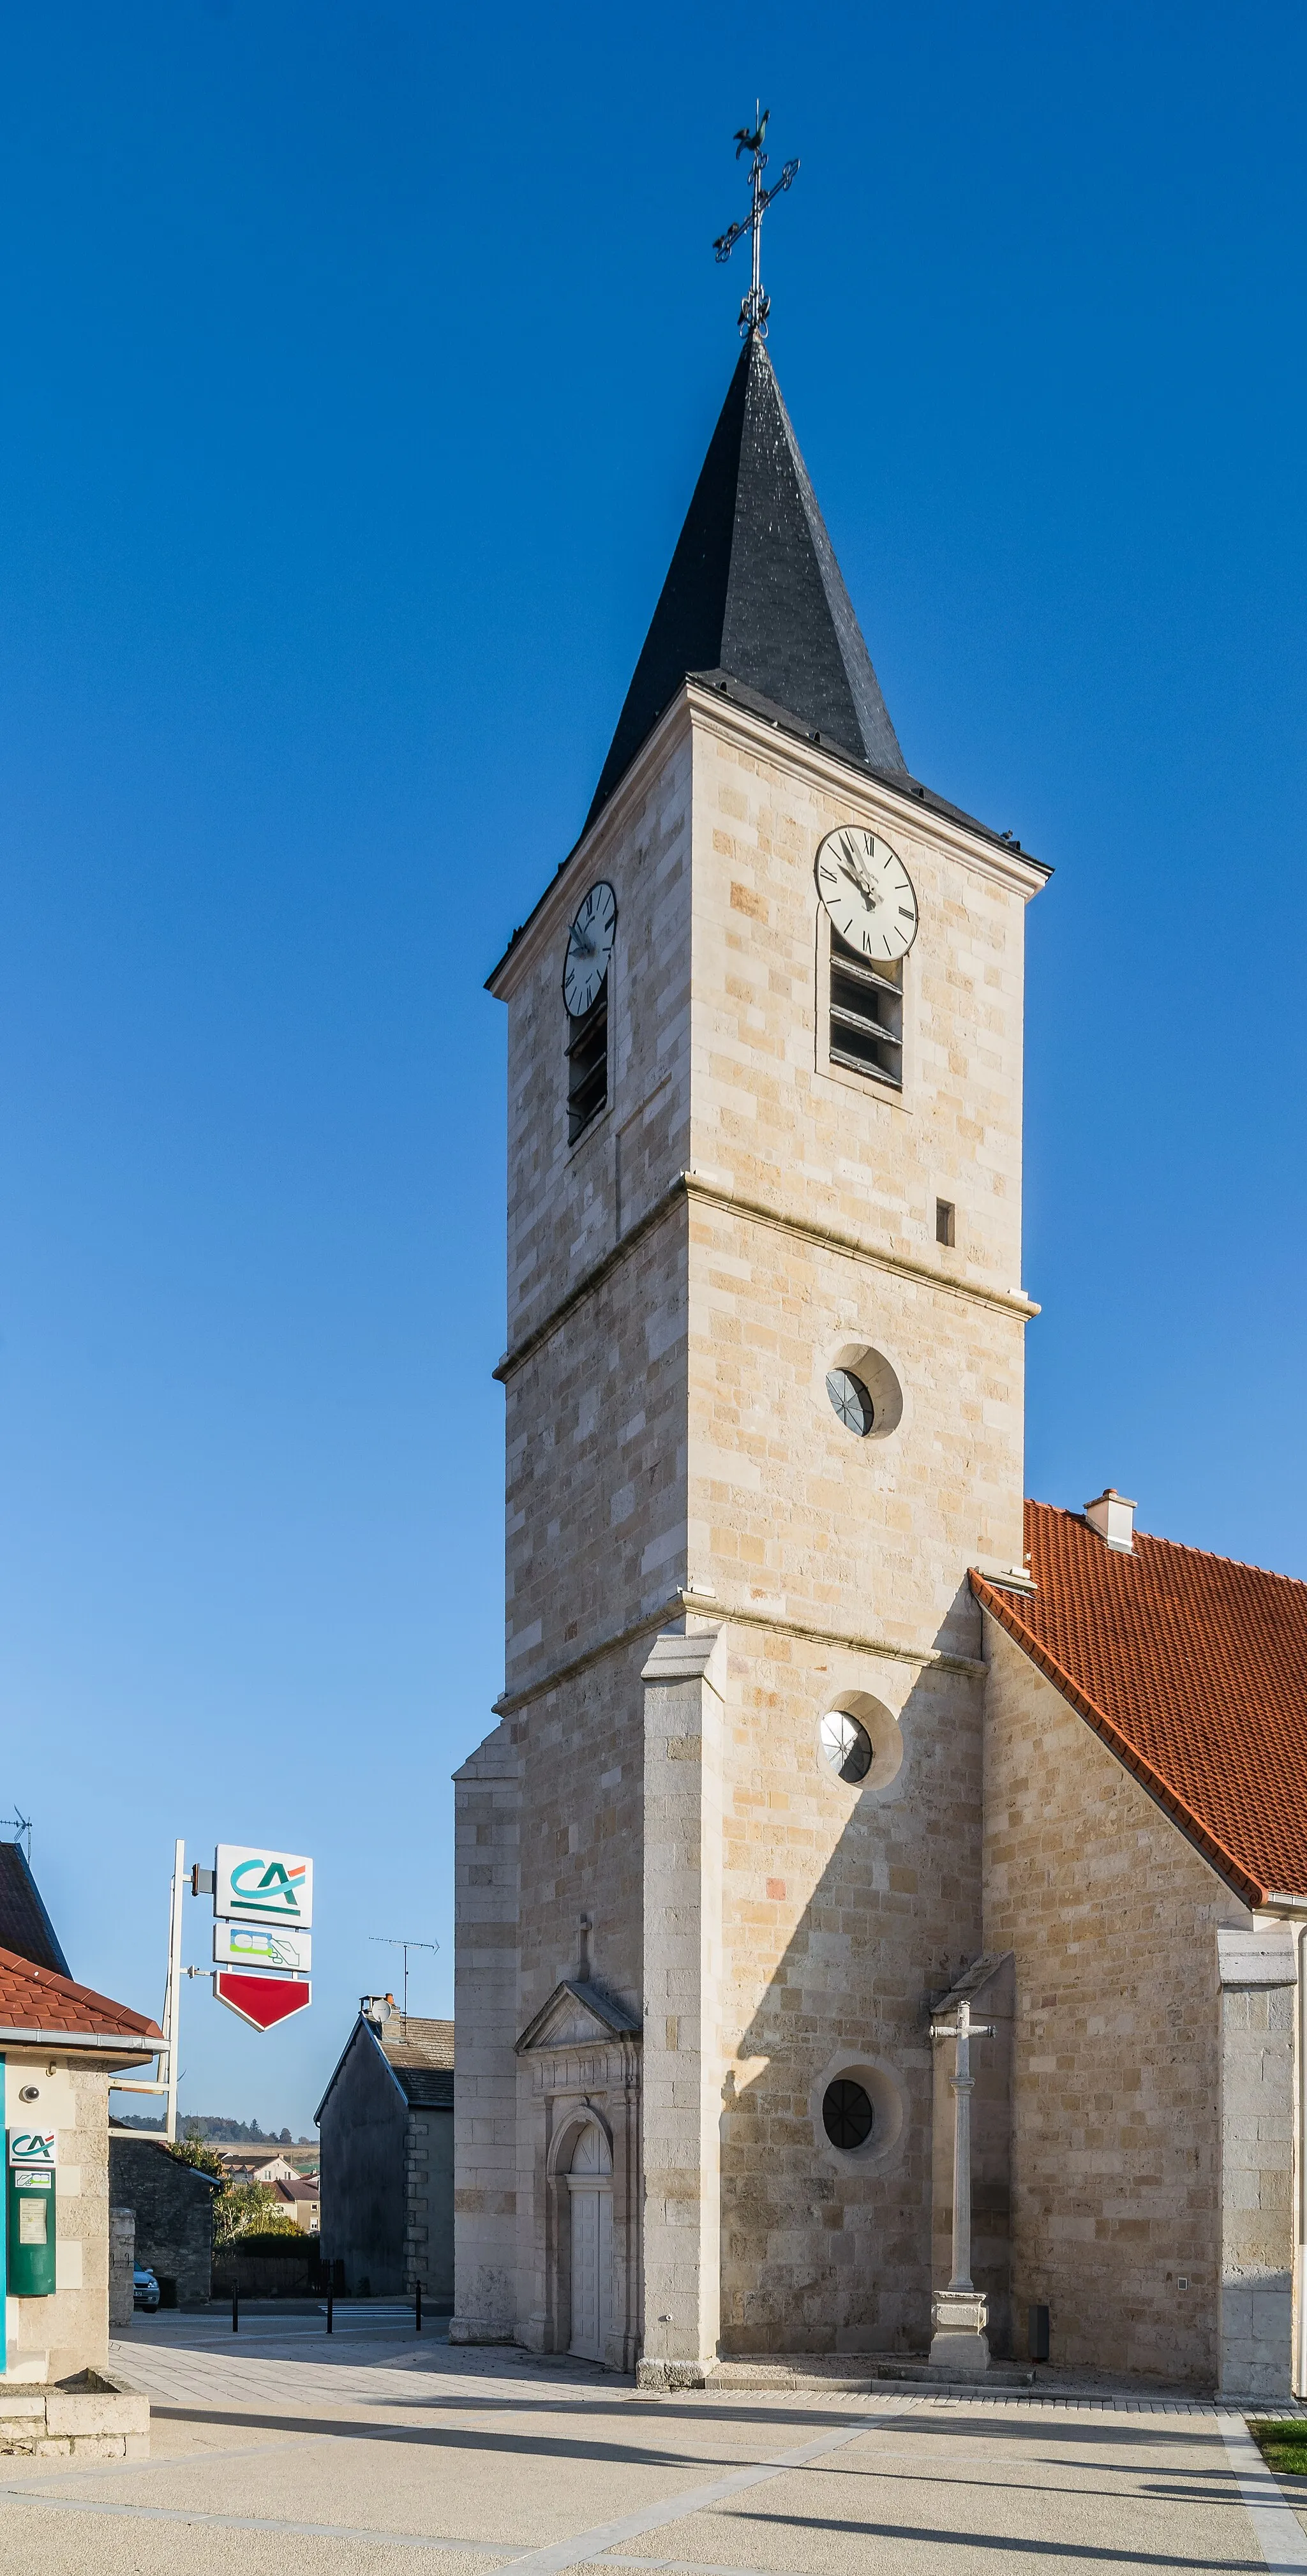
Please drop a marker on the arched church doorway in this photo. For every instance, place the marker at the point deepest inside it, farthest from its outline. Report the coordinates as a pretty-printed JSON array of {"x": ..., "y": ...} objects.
[{"x": 590, "y": 2191}]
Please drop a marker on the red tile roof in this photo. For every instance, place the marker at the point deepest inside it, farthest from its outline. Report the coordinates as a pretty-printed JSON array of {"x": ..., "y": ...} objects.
[
  {"x": 1194, "y": 1670},
  {"x": 49, "y": 2006}
]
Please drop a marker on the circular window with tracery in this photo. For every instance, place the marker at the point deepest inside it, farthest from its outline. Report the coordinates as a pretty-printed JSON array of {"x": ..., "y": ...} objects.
[
  {"x": 850, "y": 1401},
  {"x": 846, "y": 1746},
  {"x": 846, "y": 2114}
]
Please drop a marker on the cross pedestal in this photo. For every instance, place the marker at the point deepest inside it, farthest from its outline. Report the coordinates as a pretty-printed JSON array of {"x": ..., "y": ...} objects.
[{"x": 959, "y": 2344}]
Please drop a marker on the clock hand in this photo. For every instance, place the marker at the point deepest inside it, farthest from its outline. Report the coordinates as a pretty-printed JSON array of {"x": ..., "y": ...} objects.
[
  {"x": 584, "y": 947},
  {"x": 862, "y": 881}
]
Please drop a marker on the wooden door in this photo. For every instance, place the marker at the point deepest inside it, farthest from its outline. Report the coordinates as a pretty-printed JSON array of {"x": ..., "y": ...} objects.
[{"x": 590, "y": 2190}]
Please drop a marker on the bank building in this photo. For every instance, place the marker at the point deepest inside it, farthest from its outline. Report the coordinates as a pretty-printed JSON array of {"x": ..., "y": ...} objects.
[{"x": 816, "y": 1741}]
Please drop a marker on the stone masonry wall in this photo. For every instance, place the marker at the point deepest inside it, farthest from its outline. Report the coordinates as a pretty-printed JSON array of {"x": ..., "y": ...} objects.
[
  {"x": 595, "y": 1526},
  {"x": 767, "y": 1106},
  {"x": 122, "y": 2269},
  {"x": 846, "y": 1904},
  {"x": 1259, "y": 2000},
  {"x": 174, "y": 2212},
  {"x": 72, "y": 2326},
  {"x": 487, "y": 1806},
  {"x": 843, "y": 1561},
  {"x": 569, "y": 1204},
  {"x": 1112, "y": 1917},
  {"x": 429, "y": 2187}
]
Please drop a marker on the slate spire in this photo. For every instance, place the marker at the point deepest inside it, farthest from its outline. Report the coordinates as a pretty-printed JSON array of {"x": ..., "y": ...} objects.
[{"x": 754, "y": 593}]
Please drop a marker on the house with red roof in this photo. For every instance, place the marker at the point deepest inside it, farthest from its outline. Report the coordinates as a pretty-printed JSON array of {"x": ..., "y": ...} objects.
[{"x": 61, "y": 2043}]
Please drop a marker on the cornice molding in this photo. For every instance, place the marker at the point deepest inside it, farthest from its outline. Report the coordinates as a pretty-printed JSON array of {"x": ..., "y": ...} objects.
[
  {"x": 971, "y": 842},
  {"x": 538, "y": 928},
  {"x": 869, "y": 795},
  {"x": 702, "y": 1605},
  {"x": 692, "y": 1186}
]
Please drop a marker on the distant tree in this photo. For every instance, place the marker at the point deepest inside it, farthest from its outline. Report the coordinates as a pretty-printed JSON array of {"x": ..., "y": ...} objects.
[
  {"x": 285, "y": 2140},
  {"x": 239, "y": 2208},
  {"x": 249, "y": 2209},
  {"x": 192, "y": 2149}
]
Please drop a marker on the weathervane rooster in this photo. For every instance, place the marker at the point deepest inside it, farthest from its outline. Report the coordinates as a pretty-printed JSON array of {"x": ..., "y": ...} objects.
[{"x": 757, "y": 305}]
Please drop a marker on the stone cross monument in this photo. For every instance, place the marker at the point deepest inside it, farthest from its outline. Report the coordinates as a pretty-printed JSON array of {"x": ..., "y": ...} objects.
[{"x": 960, "y": 2314}]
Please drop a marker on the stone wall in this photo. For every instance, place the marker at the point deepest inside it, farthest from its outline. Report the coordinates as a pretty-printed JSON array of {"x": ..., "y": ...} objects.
[
  {"x": 845, "y": 1905},
  {"x": 1258, "y": 1972},
  {"x": 72, "y": 2326},
  {"x": 122, "y": 2269},
  {"x": 487, "y": 1810},
  {"x": 769, "y": 1111},
  {"x": 839, "y": 1564},
  {"x": 1112, "y": 1917},
  {"x": 569, "y": 1204},
  {"x": 429, "y": 2179},
  {"x": 174, "y": 2213}
]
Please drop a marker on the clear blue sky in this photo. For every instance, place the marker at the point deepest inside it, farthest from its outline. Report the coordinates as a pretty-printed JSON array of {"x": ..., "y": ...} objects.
[{"x": 359, "y": 360}]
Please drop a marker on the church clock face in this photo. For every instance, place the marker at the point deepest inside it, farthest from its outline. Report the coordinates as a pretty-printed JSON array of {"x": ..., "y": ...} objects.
[
  {"x": 868, "y": 893},
  {"x": 589, "y": 948}
]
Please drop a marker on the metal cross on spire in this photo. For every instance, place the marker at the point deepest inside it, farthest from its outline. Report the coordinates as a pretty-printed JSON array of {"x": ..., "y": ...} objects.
[{"x": 756, "y": 306}]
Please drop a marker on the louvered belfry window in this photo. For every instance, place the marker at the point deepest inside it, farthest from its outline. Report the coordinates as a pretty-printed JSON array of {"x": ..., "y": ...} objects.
[
  {"x": 587, "y": 1065},
  {"x": 866, "y": 1014}
]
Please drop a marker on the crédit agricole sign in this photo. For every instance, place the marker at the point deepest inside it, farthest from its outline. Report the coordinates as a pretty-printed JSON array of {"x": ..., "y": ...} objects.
[{"x": 261, "y": 1886}]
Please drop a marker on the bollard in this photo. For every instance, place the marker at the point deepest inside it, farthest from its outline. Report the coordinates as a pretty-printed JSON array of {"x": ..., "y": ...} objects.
[
  {"x": 417, "y": 2310},
  {"x": 235, "y": 2313},
  {"x": 330, "y": 2328}
]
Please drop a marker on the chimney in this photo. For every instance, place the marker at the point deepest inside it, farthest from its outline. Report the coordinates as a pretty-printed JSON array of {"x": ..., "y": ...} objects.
[{"x": 1113, "y": 1516}]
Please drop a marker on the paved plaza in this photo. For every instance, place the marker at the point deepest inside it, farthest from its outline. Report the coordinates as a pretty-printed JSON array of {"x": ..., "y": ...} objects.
[{"x": 281, "y": 2450}]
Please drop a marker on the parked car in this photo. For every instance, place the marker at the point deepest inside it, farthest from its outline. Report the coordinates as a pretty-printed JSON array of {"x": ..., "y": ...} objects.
[{"x": 145, "y": 2288}]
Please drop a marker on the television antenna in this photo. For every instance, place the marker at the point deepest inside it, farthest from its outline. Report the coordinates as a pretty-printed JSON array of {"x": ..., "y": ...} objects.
[
  {"x": 13, "y": 1828},
  {"x": 387, "y": 1942}
]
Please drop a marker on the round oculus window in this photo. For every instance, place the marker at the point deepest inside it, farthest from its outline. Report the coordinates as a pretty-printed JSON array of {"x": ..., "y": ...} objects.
[
  {"x": 851, "y": 1401},
  {"x": 846, "y": 1746},
  {"x": 846, "y": 2114}
]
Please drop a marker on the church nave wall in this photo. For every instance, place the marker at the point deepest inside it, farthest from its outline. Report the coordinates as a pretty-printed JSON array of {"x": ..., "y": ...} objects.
[{"x": 1112, "y": 1917}]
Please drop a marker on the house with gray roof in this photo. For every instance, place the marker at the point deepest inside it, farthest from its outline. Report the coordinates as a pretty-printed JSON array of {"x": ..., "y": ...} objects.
[{"x": 387, "y": 2179}]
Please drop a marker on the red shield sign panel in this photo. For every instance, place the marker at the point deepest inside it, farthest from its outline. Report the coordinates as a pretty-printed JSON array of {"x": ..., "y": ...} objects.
[{"x": 262, "y": 2001}]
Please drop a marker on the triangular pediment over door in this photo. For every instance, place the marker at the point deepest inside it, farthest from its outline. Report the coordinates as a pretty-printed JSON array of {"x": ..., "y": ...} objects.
[{"x": 577, "y": 2016}]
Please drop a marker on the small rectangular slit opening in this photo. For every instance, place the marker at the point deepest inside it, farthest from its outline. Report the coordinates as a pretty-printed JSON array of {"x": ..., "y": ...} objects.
[{"x": 945, "y": 1221}]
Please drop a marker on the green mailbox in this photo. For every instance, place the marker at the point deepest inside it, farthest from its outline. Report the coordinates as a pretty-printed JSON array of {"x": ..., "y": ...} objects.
[{"x": 30, "y": 2209}]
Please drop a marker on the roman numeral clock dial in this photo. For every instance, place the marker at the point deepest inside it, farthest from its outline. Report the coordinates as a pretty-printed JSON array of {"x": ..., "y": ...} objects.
[
  {"x": 868, "y": 893},
  {"x": 589, "y": 947}
]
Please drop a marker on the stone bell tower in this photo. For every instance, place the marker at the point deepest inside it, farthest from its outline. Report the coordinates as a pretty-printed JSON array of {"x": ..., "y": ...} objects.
[{"x": 764, "y": 1409}]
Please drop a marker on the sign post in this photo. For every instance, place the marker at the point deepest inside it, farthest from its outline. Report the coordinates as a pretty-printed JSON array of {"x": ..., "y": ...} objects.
[{"x": 166, "y": 2057}]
